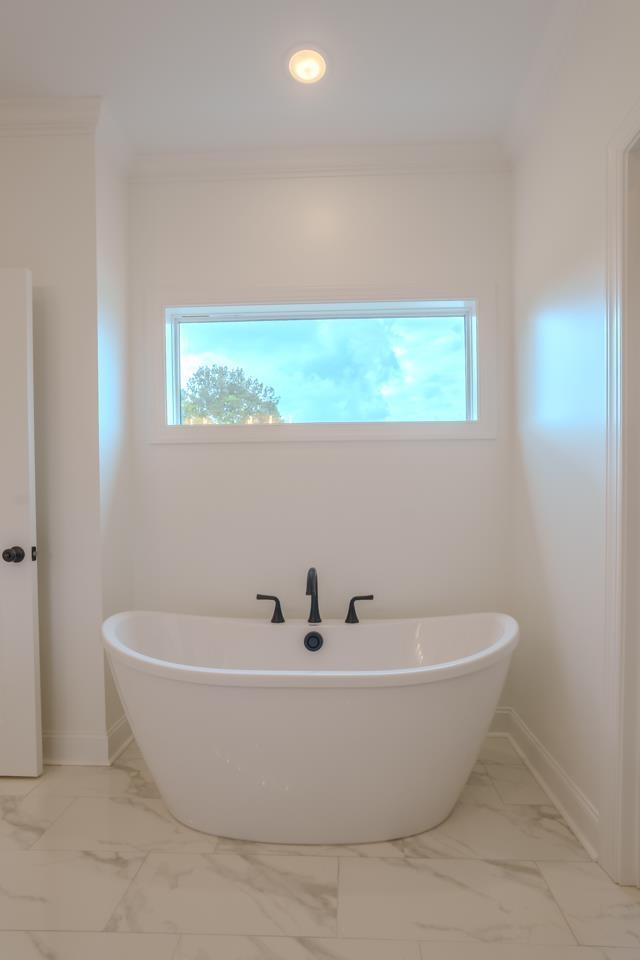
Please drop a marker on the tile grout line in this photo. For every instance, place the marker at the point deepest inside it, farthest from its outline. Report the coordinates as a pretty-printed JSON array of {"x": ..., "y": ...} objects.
[
  {"x": 131, "y": 847},
  {"x": 338, "y": 897},
  {"x": 587, "y": 946},
  {"x": 125, "y": 892},
  {"x": 495, "y": 789},
  {"x": 522, "y": 803},
  {"x": 72, "y": 800},
  {"x": 178, "y": 946},
  {"x": 180, "y": 935},
  {"x": 546, "y": 948},
  {"x": 95, "y": 933},
  {"x": 33, "y": 786},
  {"x": 223, "y": 936},
  {"x": 297, "y": 937},
  {"x": 555, "y": 899}
]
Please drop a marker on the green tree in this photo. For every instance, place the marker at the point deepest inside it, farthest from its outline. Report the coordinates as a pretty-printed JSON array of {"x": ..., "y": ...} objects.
[{"x": 217, "y": 394}]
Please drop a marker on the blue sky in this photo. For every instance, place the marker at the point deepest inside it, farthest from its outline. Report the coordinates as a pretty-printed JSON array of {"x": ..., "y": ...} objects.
[{"x": 341, "y": 370}]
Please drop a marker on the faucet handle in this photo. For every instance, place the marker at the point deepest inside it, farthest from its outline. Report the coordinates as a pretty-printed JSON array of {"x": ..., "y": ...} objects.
[
  {"x": 352, "y": 616},
  {"x": 277, "y": 610},
  {"x": 312, "y": 581}
]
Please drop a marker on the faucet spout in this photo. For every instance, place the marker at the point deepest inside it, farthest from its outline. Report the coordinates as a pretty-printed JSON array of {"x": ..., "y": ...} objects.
[{"x": 312, "y": 591}]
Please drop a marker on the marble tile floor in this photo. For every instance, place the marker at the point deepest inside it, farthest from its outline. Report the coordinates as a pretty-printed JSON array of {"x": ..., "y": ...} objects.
[{"x": 93, "y": 867}]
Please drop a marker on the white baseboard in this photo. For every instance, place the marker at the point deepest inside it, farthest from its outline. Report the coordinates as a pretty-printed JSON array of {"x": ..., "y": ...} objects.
[
  {"x": 575, "y": 807},
  {"x": 91, "y": 749},
  {"x": 96, "y": 750},
  {"x": 119, "y": 737}
]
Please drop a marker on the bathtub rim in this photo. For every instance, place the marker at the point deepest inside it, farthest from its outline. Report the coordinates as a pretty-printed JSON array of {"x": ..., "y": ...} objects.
[{"x": 501, "y": 648}]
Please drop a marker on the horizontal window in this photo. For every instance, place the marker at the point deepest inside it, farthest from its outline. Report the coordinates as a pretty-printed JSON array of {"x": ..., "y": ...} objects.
[{"x": 364, "y": 363}]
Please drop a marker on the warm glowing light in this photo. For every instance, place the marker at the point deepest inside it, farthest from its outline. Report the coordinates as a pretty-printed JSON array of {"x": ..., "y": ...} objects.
[{"x": 307, "y": 66}]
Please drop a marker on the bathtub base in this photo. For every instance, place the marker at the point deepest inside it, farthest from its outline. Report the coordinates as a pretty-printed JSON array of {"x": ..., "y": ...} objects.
[
  {"x": 311, "y": 766},
  {"x": 348, "y": 838}
]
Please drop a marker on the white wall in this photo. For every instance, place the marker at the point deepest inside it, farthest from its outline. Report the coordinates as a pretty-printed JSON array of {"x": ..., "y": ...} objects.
[
  {"x": 422, "y": 525},
  {"x": 624, "y": 853},
  {"x": 48, "y": 223},
  {"x": 113, "y": 386},
  {"x": 560, "y": 276},
  {"x": 63, "y": 203}
]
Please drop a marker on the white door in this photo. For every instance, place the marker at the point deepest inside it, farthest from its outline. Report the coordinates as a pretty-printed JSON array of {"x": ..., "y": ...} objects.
[{"x": 20, "y": 726}]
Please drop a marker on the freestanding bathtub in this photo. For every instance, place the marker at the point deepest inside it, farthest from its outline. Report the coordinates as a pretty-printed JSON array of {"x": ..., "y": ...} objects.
[{"x": 249, "y": 735}]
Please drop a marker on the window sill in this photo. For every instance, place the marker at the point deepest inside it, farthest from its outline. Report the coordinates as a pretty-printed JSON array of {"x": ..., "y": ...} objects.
[{"x": 324, "y": 432}]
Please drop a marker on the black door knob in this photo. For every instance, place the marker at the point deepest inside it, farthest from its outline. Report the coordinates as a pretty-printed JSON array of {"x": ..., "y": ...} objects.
[{"x": 13, "y": 555}]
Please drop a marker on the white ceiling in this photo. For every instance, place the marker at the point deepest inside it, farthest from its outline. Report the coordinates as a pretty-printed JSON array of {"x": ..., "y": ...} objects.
[{"x": 193, "y": 75}]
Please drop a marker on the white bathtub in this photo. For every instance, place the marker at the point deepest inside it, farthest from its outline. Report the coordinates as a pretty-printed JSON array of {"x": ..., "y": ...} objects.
[{"x": 251, "y": 736}]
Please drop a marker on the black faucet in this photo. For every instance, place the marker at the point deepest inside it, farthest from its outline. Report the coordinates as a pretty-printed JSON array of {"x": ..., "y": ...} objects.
[
  {"x": 352, "y": 616},
  {"x": 277, "y": 610},
  {"x": 312, "y": 591}
]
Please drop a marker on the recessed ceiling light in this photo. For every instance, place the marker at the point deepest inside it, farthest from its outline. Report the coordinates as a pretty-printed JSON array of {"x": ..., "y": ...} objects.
[{"x": 307, "y": 66}]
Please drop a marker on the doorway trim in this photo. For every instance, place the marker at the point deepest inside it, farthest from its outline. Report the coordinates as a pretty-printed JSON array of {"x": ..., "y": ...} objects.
[{"x": 620, "y": 745}]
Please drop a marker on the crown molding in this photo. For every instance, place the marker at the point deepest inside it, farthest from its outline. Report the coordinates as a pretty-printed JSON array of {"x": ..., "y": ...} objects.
[
  {"x": 48, "y": 116},
  {"x": 296, "y": 162}
]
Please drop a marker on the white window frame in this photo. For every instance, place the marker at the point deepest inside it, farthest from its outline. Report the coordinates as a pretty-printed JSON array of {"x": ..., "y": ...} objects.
[{"x": 480, "y": 374}]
